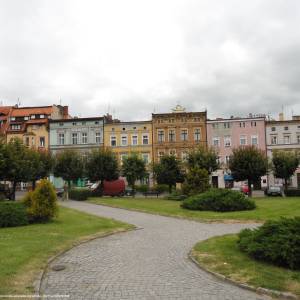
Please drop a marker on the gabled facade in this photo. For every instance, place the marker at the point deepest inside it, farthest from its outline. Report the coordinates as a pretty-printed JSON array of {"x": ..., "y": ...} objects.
[
  {"x": 283, "y": 135},
  {"x": 227, "y": 134},
  {"x": 82, "y": 134},
  {"x": 30, "y": 124},
  {"x": 178, "y": 132}
]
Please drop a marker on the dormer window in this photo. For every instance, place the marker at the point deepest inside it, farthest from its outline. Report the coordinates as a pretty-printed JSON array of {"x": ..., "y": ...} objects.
[
  {"x": 13, "y": 119},
  {"x": 32, "y": 117},
  {"x": 42, "y": 116},
  {"x": 26, "y": 118}
]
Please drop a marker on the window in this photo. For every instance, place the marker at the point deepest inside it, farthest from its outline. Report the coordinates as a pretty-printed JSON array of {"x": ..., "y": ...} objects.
[
  {"x": 184, "y": 134},
  {"x": 74, "y": 123},
  {"x": 42, "y": 141},
  {"x": 227, "y": 125},
  {"x": 227, "y": 158},
  {"x": 26, "y": 118},
  {"x": 98, "y": 137},
  {"x": 227, "y": 141},
  {"x": 253, "y": 124},
  {"x": 134, "y": 140},
  {"x": 27, "y": 141},
  {"x": 216, "y": 142},
  {"x": 184, "y": 155},
  {"x": 83, "y": 123},
  {"x": 113, "y": 141},
  {"x": 286, "y": 128},
  {"x": 61, "y": 138},
  {"x": 215, "y": 125},
  {"x": 145, "y": 139},
  {"x": 145, "y": 157},
  {"x": 160, "y": 154},
  {"x": 254, "y": 140},
  {"x": 42, "y": 116},
  {"x": 286, "y": 139},
  {"x": 13, "y": 119},
  {"x": 242, "y": 124},
  {"x": 161, "y": 136},
  {"x": 74, "y": 138},
  {"x": 61, "y": 124},
  {"x": 243, "y": 140},
  {"x": 298, "y": 139},
  {"x": 15, "y": 126},
  {"x": 273, "y": 128},
  {"x": 197, "y": 135},
  {"x": 172, "y": 152},
  {"x": 96, "y": 122},
  {"x": 171, "y": 135},
  {"x": 124, "y": 140},
  {"x": 274, "y": 140},
  {"x": 84, "y": 138},
  {"x": 32, "y": 117}
]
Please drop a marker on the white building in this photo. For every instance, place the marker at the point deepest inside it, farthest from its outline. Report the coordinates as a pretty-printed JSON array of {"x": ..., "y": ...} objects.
[{"x": 283, "y": 135}]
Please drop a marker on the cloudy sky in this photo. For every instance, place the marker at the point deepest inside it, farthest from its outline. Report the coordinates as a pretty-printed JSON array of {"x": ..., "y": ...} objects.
[{"x": 135, "y": 57}]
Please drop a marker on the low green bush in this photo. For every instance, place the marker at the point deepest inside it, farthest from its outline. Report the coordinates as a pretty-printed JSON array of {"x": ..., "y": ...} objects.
[
  {"x": 277, "y": 242},
  {"x": 143, "y": 188},
  {"x": 221, "y": 200},
  {"x": 42, "y": 202},
  {"x": 13, "y": 214},
  {"x": 160, "y": 188},
  {"x": 292, "y": 193},
  {"x": 176, "y": 196},
  {"x": 79, "y": 194}
]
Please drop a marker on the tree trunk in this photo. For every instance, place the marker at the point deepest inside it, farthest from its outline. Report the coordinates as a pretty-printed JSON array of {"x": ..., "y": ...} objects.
[
  {"x": 14, "y": 191},
  {"x": 133, "y": 190},
  {"x": 250, "y": 188},
  {"x": 285, "y": 184},
  {"x": 170, "y": 188},
  {"x": 33, "y": 185}
]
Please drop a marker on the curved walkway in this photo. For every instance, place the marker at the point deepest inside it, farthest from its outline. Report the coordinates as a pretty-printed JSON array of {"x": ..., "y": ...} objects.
[{"x": 150, "y": 263}]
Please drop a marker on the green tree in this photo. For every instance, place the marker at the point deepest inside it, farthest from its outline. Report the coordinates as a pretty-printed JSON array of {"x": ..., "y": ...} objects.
[
  {"x": 196, "y": 181},
  {"x": 285, "y": 163},
  {"x": 133, "y": 168},
  {"x": 168, "y": 171},
  {"x": 69, "y": 165},
  {"x": 248, "y": 163},
  {"x": 203, "y": 158},
  {"x": 14, "y": 163},
  {"x": 102, "y": 165}
]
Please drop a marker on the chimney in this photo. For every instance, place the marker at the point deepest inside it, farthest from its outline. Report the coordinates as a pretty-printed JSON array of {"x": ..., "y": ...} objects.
[
  {"x": 281, "y": 116},
  {"x": 65, "y": 112}
]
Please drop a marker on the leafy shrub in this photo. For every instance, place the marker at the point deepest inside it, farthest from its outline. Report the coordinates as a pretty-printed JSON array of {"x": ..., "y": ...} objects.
[
  {"x": 219, "y": 200},
  {"x": 161, "y": 188},
  {"x": 42, "y": 203},
  {"x": 277, "y": 242},
  {"x": 143, "y": 188},
  {"x": 292, "y": 192},
  {"x": 196, "y": 181},
  {"x": 12, "y": 214},
  {"x": 79, "y": 194},
  {"x": 176, "y": 195}
]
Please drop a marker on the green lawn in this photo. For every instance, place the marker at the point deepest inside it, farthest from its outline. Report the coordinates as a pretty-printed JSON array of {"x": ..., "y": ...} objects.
[
  {"x": 221, "y": 255},
  {"x": 267, "y": 208},
  {"x": 25, "y": 250}
]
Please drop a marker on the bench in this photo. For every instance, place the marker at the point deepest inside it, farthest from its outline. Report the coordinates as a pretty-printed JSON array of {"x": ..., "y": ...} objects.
[{"x": 151, "y": 193}]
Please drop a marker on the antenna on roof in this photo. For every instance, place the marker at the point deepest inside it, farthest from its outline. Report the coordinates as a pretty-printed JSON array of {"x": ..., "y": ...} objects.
[
  {"x": 60, "y": 101},
  {"x": 19, "y": 103}
]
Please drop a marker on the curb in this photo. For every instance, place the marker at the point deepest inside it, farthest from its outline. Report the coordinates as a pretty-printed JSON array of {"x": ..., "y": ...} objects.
[
  {"x": 38, "y": 282},
  {"x": 259, "y": 290}
]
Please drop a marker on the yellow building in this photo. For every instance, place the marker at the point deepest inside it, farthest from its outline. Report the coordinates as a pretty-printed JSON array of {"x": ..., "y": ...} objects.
[{"x": 124, "y": 138}]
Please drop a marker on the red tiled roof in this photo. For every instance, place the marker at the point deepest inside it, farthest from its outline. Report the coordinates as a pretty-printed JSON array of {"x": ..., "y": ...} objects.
[
  {"x": 27, "y": 111},
  {"x": 37, "y": 121},
  {"x": 5, "y": 109}
]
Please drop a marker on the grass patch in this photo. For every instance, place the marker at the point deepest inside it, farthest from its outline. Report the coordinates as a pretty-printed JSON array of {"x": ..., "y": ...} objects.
[
  {"x": 221, "y": 255},
  {"x": 24, "y": 250},
  {"x": 267, "y": 208}
]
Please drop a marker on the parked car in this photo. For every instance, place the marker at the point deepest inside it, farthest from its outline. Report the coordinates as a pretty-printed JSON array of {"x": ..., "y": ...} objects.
[
  {"x": 274, "y": 191},
  {"x": 243, "y": 189}
]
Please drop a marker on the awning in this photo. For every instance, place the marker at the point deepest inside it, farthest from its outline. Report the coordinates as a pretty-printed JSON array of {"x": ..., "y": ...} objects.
[{"x": 228, "y": 177}]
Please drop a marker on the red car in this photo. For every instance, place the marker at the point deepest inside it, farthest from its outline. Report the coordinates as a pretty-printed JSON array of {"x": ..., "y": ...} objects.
[{"x": 245, "y": 189}]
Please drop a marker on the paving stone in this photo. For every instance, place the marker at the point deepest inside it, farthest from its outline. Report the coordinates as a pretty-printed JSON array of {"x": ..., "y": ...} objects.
[{"x": 150, "y": 263}]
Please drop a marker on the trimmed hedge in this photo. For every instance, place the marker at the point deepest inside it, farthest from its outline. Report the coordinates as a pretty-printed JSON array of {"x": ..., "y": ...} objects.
[
  {"x": 160, "y": 188},
  {"x": 220, "y": 200},
  {"x": 13, "y": 214},
  {"x": 79, "y": 194},
  {"x": 277, "y": 242},
  {"x": 292, "y": 193},
  {"x": 176, "y": 196},
  {"x": 143, "y": 188}
]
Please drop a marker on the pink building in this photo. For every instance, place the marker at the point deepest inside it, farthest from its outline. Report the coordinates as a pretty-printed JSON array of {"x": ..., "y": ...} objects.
[{"x": 227, "y": 134}]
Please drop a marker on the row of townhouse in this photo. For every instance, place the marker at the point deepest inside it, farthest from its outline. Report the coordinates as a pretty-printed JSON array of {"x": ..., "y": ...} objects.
[{"x": 175, "y": 133}]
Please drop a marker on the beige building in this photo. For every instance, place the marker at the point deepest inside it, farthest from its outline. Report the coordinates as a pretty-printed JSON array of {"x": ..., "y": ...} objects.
[
  {"x": 178, "y": 132},
  {"x": 124, "y": 138}
]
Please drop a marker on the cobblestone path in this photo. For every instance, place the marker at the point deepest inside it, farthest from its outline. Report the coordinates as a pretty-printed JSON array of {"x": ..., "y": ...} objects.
[{"x": 149, "y": 263}]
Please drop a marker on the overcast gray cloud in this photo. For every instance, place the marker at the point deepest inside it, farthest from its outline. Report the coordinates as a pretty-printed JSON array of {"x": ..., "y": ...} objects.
[{"x": 134, "y": 57}]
